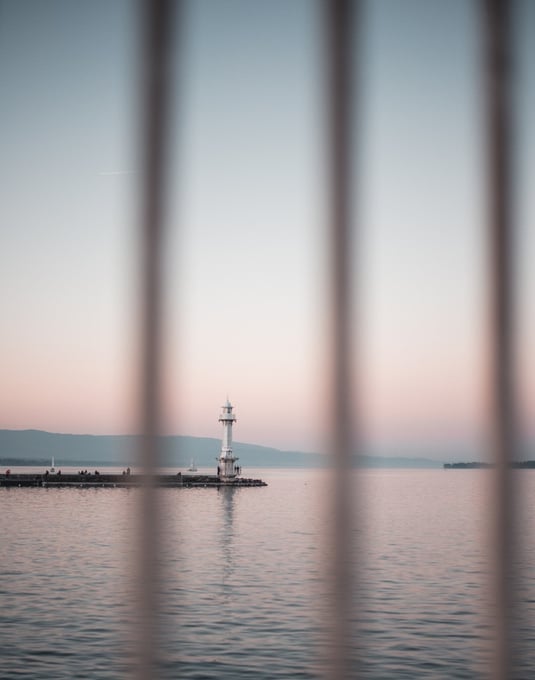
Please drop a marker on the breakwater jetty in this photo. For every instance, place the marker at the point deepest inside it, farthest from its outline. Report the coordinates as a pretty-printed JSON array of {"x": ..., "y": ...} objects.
[
  {"x": 229, "y": 474},
  {"x": 87, "y": 481}
]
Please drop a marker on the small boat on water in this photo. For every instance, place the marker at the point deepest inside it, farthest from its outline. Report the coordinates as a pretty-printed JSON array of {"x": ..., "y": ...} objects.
[
  {"x": 192, "y": 466},
  {"x": 52, "y": 470}
]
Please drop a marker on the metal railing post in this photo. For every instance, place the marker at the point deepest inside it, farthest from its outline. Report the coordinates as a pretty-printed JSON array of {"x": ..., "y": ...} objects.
[
  {"x": 157, "y": 18},
  {"x": 502, "y": 398},
  {"x": 340, "y": 16}
]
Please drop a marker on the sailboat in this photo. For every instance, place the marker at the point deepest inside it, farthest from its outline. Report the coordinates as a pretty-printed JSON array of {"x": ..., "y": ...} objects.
[
  {"x": 192, "y": 467},
  {"x": 52, "y": 469}
]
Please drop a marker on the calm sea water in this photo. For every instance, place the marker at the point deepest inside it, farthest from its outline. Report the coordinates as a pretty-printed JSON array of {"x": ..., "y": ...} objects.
[{"x": 243, "y": 593}]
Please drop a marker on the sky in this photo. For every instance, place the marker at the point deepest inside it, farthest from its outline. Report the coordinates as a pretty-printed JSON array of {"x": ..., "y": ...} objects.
[{"x": 245, "y": 251}]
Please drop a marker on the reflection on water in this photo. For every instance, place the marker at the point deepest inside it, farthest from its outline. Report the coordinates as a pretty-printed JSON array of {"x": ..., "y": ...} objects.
[
  {"x": 243, "y": 586},
  {"x": 226, "y": 540}
]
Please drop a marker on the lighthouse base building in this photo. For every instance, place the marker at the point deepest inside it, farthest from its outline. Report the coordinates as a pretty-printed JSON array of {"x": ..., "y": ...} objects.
[{"x": 227, "y": 470}]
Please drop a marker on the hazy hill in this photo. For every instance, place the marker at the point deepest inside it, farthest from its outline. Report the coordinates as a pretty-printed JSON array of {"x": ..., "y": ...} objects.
[
  {"x": 77, "y": 449},
  {"x": 35, "y": 446}
]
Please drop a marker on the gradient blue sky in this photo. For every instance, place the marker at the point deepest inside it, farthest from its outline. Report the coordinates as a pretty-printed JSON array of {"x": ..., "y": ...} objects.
[{"x": 245, "y": 251}]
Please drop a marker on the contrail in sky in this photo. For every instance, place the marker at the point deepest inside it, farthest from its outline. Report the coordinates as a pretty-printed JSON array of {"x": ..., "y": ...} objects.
[{"x": 117, "y": 172}]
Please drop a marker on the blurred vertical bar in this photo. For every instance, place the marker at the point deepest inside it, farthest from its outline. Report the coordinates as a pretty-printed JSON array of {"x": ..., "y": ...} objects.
[
  {"x": 502, "y": 413},
  {"x": 340, "y": 17},
  {"x": 157, "y": 24}
]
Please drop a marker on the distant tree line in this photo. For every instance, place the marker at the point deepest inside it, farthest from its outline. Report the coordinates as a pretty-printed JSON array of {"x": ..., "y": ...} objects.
[{"x": 473, "y": 464}]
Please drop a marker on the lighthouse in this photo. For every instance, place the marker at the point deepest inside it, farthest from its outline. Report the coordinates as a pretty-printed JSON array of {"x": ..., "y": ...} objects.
[{"x": 227, "y": 470}]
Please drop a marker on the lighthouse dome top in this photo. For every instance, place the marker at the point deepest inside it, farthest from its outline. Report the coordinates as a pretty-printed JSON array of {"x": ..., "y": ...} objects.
[{"x": 227, "y": 415}]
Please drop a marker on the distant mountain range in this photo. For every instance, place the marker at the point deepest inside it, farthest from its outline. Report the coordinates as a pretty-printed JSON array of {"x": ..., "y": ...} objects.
[{"x": 36, "y": 447}]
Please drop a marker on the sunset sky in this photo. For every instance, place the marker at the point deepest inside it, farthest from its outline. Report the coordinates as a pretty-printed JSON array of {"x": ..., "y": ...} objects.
[{"x": 245, "y": 256}]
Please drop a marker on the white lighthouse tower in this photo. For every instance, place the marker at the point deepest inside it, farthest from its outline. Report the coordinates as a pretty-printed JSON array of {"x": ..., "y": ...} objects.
[{"x": 227, "y": 470}]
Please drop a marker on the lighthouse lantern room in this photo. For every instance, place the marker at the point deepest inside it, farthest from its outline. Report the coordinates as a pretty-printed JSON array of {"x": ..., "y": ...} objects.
[{"x": 227, "y": 470}]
